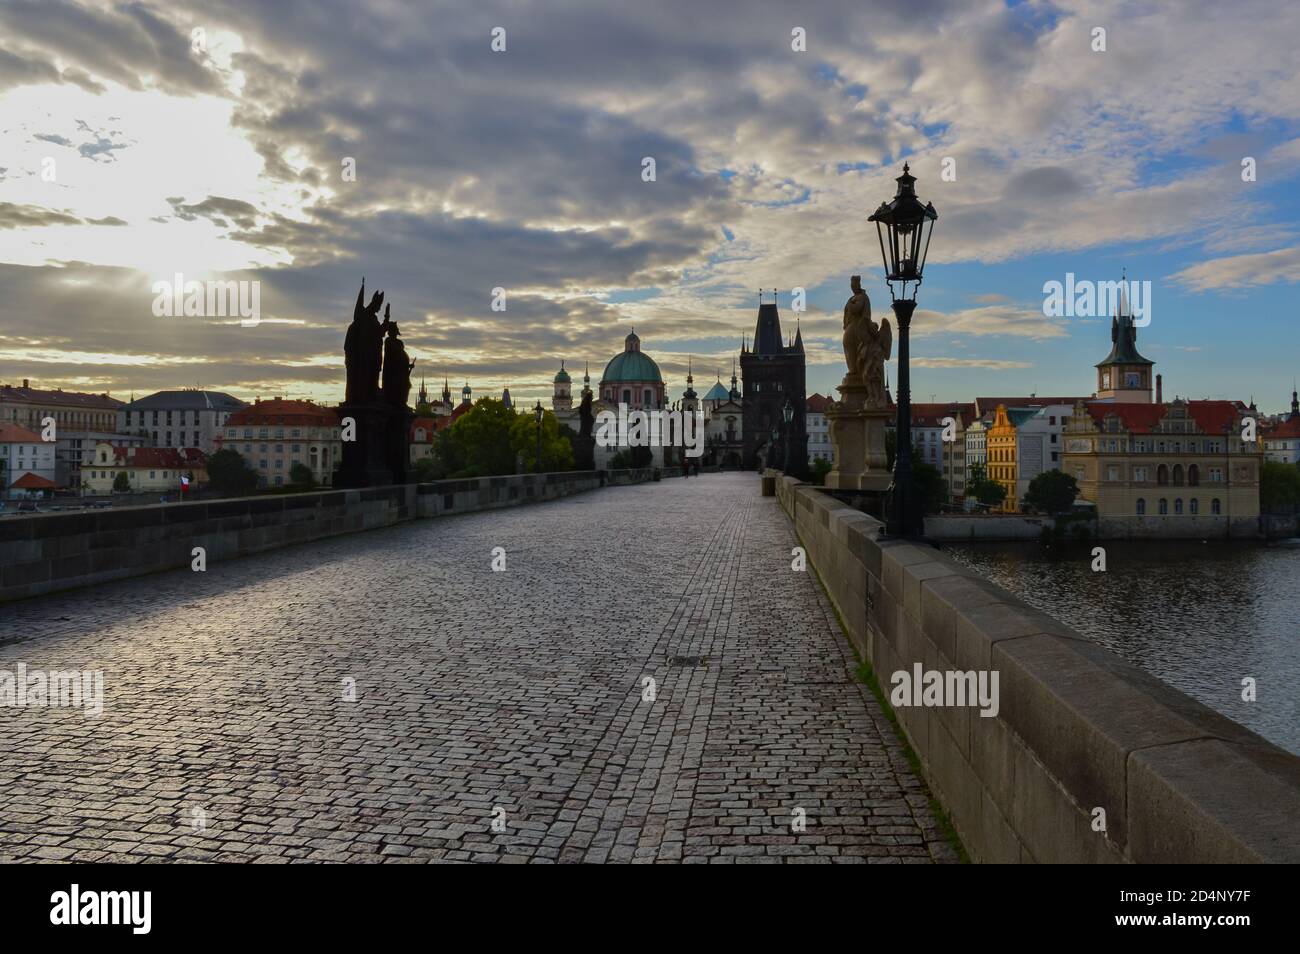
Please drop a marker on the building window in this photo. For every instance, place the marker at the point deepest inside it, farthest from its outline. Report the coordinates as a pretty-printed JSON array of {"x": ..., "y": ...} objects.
[
  {"x": 1193, "y": 476},
  {"x": 1141, "y": 507},
  {"x": 1164, "y": 506},
  {"x": 1112, "y": 473},
  {"x": 1193, "y": 506},
  {"x": 1162, "y": 475},
  {"x": 1178, "y": 505},
  {"x": 1214, "y": 506}
]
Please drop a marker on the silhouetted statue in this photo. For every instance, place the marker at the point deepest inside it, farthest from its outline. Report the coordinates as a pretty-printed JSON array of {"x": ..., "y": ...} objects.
[
  {"x": 584, "y": 445},
  {"x": 397, "y": 370},
  {"x": 585, "y": 416},
  {"x": 362, "y": 348}
]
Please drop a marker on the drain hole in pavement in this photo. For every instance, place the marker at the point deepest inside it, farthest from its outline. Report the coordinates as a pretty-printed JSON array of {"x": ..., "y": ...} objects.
[{"x": 688, "y": 661}]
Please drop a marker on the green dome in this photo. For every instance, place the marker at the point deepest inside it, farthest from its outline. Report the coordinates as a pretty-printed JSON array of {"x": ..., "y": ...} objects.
[
  {"x": 562, "y": 376},
  {"x": 632, "y": 365}
]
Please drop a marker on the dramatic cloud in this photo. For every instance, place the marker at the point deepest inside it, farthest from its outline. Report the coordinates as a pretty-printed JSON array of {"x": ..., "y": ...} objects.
[
  {"x": 305, "y": 144},
  {"x": 1243, "y": 271}
]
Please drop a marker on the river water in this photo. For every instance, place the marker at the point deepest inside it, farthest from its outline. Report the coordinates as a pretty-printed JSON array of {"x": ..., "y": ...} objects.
[{"x": 1200, "y": 616}]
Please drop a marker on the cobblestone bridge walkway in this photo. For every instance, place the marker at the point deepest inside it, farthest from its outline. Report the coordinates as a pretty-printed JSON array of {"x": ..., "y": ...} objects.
[{"x": 515, "y": 698}]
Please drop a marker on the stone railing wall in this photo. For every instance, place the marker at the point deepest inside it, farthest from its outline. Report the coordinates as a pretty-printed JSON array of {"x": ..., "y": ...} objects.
[
  {"x": 41, "y": 553},
  {"x": 1077, "y": 728}
]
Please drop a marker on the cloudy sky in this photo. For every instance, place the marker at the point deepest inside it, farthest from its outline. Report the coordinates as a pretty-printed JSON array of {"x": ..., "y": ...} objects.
[{"x": 135, "y": 148}]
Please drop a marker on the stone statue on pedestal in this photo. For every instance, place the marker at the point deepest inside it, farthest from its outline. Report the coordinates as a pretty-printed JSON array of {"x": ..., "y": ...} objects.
[
  {"x": 397, "y": 370},
  {"x": 377, "y": 453},
  {"x": 866, "y": 345},
  {"x": 584, "y": 445},
  {"x": 362, "y": 348},
  {"x": 857, "y": 419}
]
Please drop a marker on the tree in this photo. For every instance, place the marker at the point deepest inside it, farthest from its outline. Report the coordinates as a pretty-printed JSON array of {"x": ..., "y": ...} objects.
[
  {"x": 927, "y": 479},
  {"x": 988, "y": 492},
  {"x": 121, "y": 483},
  {"x": 1051, "y": 492},
  {"x": 1279, "y": 487},
  {"x": 301, "y": 475},
  {"x": 478, "y": 443},
  {"x": 426, "y": 470},
  {"x": 929, "y": 484},
  {"x": 557, "y": 451},
  {"x": 820, "y": 468},
  {"x": 229, "y": 474}
]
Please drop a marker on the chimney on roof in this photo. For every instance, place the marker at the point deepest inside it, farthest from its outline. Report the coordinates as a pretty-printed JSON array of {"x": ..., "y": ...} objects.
[{"x": 1160, "y": 388}]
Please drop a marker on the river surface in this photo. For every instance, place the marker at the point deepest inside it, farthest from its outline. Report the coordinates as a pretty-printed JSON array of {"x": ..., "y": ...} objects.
[{"x": 1200, "y": 616}]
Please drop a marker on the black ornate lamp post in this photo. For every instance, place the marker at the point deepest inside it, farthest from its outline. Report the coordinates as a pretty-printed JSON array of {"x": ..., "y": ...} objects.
[
  {"x": 904, "y": 227},
  {"x": 787, "y": 412},
  {"x": 537, "y": 413}
]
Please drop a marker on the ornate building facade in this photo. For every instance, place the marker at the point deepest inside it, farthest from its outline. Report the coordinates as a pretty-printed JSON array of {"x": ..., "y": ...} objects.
[
  {"x": 1170, "y": 470},
  {"x": 1177, "y": 469}
]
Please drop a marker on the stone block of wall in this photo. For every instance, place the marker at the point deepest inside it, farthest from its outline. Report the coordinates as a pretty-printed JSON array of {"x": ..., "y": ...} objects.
[{"x": 1077, "y": 728}]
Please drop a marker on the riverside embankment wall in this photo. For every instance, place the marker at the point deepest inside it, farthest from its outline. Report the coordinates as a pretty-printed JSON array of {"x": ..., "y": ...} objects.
[{"x": 1077, "y": 728}]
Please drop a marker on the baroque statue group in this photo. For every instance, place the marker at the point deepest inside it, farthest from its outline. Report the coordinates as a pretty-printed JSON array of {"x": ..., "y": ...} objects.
[{"x": 375, "y": 418}]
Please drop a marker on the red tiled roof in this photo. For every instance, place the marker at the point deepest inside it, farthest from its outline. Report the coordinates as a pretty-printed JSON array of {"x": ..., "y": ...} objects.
[
  {"x": 817, "y": 403},
  {"x": 159, "y": 457},
  {"x": 986, "y": 404},
  {"x": 1288, "y": 428},
  {"x": 30, "y": 481},
  {"x": 459, "y": 411},
  {"x": 932, "y": 415},
  {"x": 429, "y": 424},
  {"x": 64, "y": 398},
  {"x": 282, "y": 411},
  {"x": 13, "y": 434},
  {"x": 1211, "y": 417}
]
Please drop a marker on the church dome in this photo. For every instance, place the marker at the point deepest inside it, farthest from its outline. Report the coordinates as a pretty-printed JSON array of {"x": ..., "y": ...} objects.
[
  {"x": 632, "y": 364},
  {"x": 562, "y": 376}
]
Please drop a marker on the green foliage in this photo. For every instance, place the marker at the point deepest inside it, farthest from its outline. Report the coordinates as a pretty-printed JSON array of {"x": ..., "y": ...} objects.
[
  {"x": 631, "y": 457},
  {"x": 557, "y": 451},
  {"x": 927, "y": 478},
  {"x": 487, "y": 440},
  {"x": 1051, "y": 492},
  {"x": 1279, "y": 487},
  {"x": 426, "y": 470},
  {"x": 229, "y": 474},
  {"x": 300, "y": 475},
  {"x": 929, "y": 484},
  {"x": 988, "y": 492},
  {"x": 121, "y": 483},
  {"x": 820, "y": 469}
]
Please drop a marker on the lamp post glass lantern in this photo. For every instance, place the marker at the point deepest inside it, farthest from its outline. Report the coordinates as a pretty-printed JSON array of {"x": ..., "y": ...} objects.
[
  {"x": 904, "y": 227},
  {"x": 537, "y": 413}
]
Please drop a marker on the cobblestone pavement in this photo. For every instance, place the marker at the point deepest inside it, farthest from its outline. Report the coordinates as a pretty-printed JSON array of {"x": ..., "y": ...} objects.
[{"x": 515, "y": 697}]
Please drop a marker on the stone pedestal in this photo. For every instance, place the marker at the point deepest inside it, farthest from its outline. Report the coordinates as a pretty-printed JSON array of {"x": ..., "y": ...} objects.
[
  {"x": 584, "y": 453},
  {"x": 379, "y": 453},
  {"x": 858, "y": 439}
]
